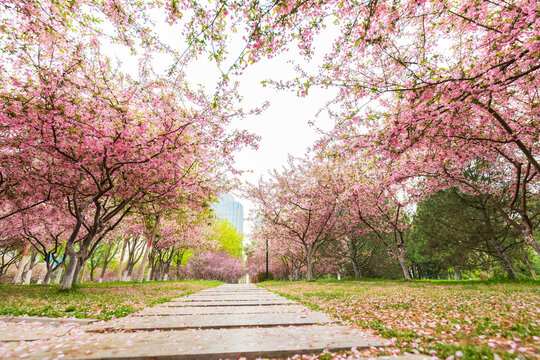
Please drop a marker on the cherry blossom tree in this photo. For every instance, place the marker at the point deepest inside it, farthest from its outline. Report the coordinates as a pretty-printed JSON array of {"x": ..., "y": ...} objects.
[
  {"x": 300, "y": 202},
  {"x": 176, "y": 237},
  {"x": 46, "y": 229},
  {"x": 10, "y": 252},
  {"x": 97, "y": 139},
  {"x": 286, "y": 259},
  {"x": 353, "y": 243},
  {"x": 464, "y": 70},
  {"x": 215, "y": 265},
  {"x": 450, "y": 84}
]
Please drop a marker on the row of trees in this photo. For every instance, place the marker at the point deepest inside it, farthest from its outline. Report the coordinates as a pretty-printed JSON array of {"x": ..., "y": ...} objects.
[
  {"x": 431, "y": 96},
  {"x": 89, "y": 153},
  {"x": 208, "y": 249},
  {"x": 335, "y": 226}
]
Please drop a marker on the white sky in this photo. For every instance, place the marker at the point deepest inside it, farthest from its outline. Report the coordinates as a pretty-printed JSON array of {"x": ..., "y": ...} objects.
[{"x": 283, "y": 126}]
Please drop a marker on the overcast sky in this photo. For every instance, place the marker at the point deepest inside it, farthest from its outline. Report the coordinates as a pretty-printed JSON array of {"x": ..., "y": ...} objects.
[{"x": 283, "y": 126}]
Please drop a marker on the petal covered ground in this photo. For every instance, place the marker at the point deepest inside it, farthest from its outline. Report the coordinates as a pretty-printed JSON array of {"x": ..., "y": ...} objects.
[{"x": 446, "y": 319}]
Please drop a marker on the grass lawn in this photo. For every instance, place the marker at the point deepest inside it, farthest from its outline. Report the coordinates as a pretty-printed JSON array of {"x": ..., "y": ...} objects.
[
  {"x": 93, "y": 300},
  {"x": 469, "y": 320}
]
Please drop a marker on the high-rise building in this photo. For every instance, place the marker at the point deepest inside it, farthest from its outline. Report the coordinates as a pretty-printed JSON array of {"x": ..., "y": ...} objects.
[{"x": 231, "y": 210}]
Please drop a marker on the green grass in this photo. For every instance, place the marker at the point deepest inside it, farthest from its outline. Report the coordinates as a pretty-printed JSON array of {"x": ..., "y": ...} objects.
[
  {"x": 93, "y": 300},
  {"x": 479, "y": 319}
]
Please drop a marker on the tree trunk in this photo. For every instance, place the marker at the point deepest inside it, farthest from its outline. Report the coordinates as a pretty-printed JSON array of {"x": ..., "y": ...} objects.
[
  {"x": 151, "y": 234},
  {"x": 401, "y": 259},
  {"x": 309, "y": 265},
  {"x": 414, "y": 272},
  {"x": 166, "y": 269},
  {"x": 457, "y": 274},
  {"x": 92, "y": 269},
  {"x": 153, "y": 273},
  {"x": 104, "y": 269},
  {"x": 528, "y": 262},
  {"x": 121, "y": 265},
  {"x": 354, "y": 258},
  {"x": 28, "y": 276},
  {"x": 47, "y": 278},
  {"x": 140, "y": 274},
  {"x": 22, "y": 265},
  {"x": 506, "y": 264},
  {"x": 356, "y": 269},
  {"x": 58, "y": 275},
  {"x": 67, "y": 281},
  {"x": 531, "y": 241},
  {"x": 79, "y": 271},
  {"x": 130, "y": 269}
]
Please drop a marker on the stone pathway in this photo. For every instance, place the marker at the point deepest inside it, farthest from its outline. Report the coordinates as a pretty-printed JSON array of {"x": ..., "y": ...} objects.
[{"x": 228, "y": 321}]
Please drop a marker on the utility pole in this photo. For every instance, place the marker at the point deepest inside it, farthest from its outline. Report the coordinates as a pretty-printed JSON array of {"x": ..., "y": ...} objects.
[{"x": 266, "y": 259}]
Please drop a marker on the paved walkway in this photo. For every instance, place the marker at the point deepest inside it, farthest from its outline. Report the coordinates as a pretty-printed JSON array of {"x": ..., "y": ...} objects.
[{"x": 228, "y": 321}]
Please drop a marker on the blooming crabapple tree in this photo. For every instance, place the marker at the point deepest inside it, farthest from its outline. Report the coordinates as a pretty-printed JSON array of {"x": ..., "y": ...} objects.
[
  {"x": 286, "y": 259},
  {"x": 377, "y": 200},
  {"x": 353, "y": 242},
  {"x": 177, "y": 236},
  {"x": 94, "y": 138},
  {"x": 45, "y": 227},
  {"x": 179, "y": 208},
  {"x": 466, "y": 70},
  {"x": 114, "y": 147},
  {"x": 11, "y": 249},
  {"x": 103, "y": 254},
  {"x": 299, "y": 201},
  {"x": 209, "y": 258},
  {"x": 462, "y": 74},
  {"x": 215, "y": 265},
  {"x": 32, "y": 28},
  {"x": 496, "y": 173}
]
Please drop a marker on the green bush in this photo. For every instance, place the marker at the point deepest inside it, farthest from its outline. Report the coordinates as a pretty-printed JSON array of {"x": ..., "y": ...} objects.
[{"x": 262, "y": 276}]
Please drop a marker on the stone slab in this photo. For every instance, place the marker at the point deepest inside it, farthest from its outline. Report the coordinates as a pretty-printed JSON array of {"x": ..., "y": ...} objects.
[
  {"x": 214, "y": 310},
  {"x": 150, "y": 323},
  {"x": 203, "y": 344},
  {"x": 42, "y": 320},
  {"x": 218, "y": 289},
  {"x": 232, "y": 292},
  {"x": 15, "y": 332},
  {"x": 403, "y": 357},
  {"x": 231, "y": 298},
  {"x": 235, "y": 289},
  {"x": 230, "y": 303}
]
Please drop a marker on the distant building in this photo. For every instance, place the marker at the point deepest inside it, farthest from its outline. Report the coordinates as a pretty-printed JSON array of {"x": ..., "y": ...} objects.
[{"x": 231, "y": 210}]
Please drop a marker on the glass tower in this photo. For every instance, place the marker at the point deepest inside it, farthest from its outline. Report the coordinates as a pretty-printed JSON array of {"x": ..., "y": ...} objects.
[{"x": 231, "y": 210}]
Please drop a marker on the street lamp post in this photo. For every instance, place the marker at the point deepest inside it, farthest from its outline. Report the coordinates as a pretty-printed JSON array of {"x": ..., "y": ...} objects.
[{"x": 266, "y": 259}]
